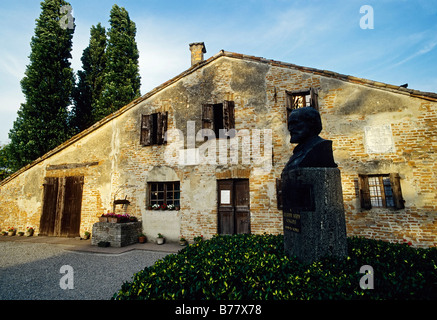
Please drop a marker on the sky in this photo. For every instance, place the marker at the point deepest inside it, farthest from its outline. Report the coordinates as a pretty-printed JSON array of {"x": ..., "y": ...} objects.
[{"x": 391, "y": 41}]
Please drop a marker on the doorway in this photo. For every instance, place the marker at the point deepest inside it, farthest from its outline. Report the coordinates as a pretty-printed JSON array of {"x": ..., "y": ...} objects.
[
  {"x": 62, "y": 203},
  {"x": 233, "y": 206}
]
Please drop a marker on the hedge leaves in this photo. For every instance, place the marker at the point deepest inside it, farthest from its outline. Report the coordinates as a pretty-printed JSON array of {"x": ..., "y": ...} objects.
[{"x": 254, "y": 267}]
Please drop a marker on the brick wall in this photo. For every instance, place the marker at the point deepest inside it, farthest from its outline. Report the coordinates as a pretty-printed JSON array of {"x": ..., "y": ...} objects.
[{"x": 258, "y": 90}]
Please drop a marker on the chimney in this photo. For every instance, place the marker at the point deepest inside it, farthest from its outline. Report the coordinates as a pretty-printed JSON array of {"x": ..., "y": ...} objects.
[{"x": 197, "y": 50}]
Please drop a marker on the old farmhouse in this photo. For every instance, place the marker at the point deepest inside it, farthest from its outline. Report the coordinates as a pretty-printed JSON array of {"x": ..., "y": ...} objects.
[{"x": 211, "y": 144}]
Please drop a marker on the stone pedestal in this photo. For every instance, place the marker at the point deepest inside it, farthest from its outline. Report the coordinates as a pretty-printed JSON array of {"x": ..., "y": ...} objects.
[
  {"x": 117, "y": 234},
  {"x": 314, "y": 220}
]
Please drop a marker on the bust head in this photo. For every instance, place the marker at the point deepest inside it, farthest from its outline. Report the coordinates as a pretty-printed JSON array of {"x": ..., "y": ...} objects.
[{"x": 303, "y": 124}]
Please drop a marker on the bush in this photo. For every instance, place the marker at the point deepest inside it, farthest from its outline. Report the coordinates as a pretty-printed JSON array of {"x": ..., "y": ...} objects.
[{"x": 254, "y": 267}]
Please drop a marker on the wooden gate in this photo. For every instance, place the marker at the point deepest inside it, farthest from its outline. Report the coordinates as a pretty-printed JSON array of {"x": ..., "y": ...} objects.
[
  {"x": 233, "y": 206},
  {"x": 62, "y": 203}
]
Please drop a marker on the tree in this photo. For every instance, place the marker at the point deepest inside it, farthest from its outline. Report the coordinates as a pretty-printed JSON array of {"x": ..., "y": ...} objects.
[
  {"x": 42, "y": 121},
  {"x": 89, "y": 88},
  {"x": 122, "y": 80},
  {"x": 4, "y": 163}
]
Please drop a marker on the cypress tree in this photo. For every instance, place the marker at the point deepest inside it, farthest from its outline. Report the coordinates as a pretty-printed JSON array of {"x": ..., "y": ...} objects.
[
  {"x": 42, "y": 121},
  {"x": 90, "y": 80},
  {"x": 122, "y": 80}
]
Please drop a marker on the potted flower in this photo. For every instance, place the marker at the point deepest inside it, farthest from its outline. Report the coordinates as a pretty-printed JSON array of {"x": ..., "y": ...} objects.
[
  {"x": 163, "y": 206},
  {"x": 142, "y": 238},
  {"x": 160, "y": 239},
  {"x": 29, "y": 231},
  {"x": 133, "y": 219},
  {"x": 5, "y": 233},
  {"x": 171, "y": 207},
  {"x": 182, "y": 241},
  {"x": 20, "y": 233},
  {"x": 103, "y": 218},
  {"x": 86, "y": 235},
  {"x": 11, "y": 231},
  {"x": 156, "y": 206},
  {"x": 112, "y": 217}
]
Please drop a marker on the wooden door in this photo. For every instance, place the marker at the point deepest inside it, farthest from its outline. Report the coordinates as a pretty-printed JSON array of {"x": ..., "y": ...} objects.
[
  {"x": 50, "y": 196},
  {"x": 62, "y": 205},
  {"x": 233, "y": 206},
  {"x": 70, "y": 223}
]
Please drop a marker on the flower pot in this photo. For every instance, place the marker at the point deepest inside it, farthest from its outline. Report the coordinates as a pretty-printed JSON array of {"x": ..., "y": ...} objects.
[
  {"x": 20, "y": 234},
  {"x": 103, "y": 219},
  {"x": 160, "y": 240},
  {"x": 29, "y": 233},
  {"x": 142, "y": 239},
  {"x": 11, "y": 233},
  {"x": 113, "y": 220}
]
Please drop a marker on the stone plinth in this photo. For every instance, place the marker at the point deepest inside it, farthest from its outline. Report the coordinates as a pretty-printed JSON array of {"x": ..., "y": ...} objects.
[
  {"x": 314, "y": 220},
  {"x": 117, "y": 234}
]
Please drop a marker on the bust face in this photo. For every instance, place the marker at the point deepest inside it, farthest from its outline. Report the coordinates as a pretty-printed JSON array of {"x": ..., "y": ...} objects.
[{"x": 300, "y": 130}]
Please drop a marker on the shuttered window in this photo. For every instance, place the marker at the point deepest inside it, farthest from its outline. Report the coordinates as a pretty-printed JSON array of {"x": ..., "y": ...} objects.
[
  {"x": 153, "y": 128},
  {"x": 218, "y": 116},
  {"x": 380, "y": 191},
  {"x": 300, "y": 99},
  {"x": 279, "y": 193}
]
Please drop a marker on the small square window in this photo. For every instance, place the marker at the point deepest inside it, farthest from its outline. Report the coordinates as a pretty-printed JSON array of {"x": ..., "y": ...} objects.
[{"x": 164, "y": 193}]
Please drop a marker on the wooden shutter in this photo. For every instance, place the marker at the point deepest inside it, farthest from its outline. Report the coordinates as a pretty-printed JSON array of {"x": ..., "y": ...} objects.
[
  {"x": 146, "y": 130},
  {"x": 397, "y": 192},
  {"x": 228, "y": 115},
  {"x": 162, "y": 127},
  {"x": 364, "y": 192},
  {"x": 314, "y": 98},
  {"x": 207, "y": 118},
  {"x": 279, "y": 193}
]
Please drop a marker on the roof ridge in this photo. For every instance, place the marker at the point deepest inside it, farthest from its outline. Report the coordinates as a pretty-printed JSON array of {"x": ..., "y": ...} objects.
[{"x": 414, "y": 93}]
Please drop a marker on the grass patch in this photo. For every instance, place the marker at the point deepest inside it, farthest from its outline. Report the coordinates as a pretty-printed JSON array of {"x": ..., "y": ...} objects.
[{"x": 254, "y": 267}]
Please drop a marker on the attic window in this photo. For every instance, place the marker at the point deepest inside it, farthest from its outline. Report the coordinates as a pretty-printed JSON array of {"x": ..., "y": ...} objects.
[
  {"x": 217, "y": 117},
  {"x": 153, "y": 128},
  {"x": 300, "y": 99}
]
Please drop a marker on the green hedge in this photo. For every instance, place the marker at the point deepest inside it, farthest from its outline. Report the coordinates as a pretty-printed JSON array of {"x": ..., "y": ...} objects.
[{"x": 254, "y": 267}]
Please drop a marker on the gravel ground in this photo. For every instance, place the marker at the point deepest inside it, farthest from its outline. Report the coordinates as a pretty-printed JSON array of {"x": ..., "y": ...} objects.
[{"x": 32, "y": 271}]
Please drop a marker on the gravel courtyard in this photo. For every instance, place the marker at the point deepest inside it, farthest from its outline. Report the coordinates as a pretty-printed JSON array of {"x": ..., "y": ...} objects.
[{"x": 32, "y": 271}]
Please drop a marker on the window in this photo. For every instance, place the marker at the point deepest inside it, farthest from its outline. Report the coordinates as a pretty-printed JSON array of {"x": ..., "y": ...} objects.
[
  {"x": 300, "y": 99},
  {"x": 153, "y": 128},
  {"x": 218, "y": 116},
  {"x": 380, "y": 191},
  {"x": 164, "y": 193}
]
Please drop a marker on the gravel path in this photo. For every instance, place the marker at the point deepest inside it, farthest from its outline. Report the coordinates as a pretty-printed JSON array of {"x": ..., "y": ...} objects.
[{"x": 32, "y": 271}]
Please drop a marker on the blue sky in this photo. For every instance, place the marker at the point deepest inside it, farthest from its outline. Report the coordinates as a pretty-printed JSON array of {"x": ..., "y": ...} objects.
[{"x": 325, "y": 34}]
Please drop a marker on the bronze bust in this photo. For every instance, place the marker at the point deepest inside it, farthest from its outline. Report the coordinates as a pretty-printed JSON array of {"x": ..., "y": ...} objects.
[{"x": 305, "y": 126}]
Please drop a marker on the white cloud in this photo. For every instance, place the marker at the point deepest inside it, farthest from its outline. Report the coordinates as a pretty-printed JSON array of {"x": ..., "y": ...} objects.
[{"x": 424, "y": 49}]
